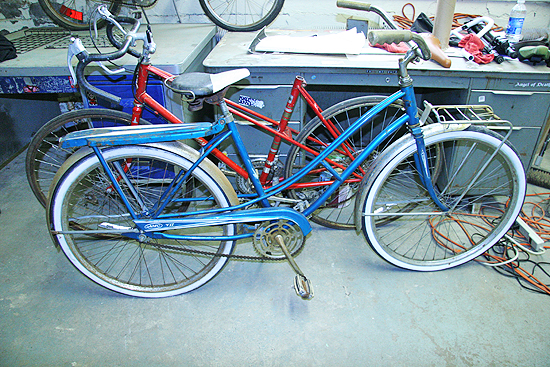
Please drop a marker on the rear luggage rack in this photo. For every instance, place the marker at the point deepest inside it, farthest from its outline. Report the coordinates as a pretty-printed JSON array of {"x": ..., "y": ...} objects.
[{"x": 467, "y": 114}]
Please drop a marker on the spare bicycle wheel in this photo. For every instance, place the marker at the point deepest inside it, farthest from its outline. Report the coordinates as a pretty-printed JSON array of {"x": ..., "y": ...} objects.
[
  {"x": 76, "y": 14},
  {"x": 242, "y": 15}
]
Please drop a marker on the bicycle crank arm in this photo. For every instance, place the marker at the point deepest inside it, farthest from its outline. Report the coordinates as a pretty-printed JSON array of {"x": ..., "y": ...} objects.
[{"x": 302, "y": 285}]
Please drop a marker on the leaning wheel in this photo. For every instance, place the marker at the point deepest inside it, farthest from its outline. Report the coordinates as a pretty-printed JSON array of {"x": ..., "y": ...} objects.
[
  {"x": 242, "y": 15},
  {"x": 76, "y": 14},
  {"x": 481, "y": 182}
]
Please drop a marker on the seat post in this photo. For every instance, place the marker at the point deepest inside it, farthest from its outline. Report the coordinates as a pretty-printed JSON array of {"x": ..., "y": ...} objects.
[{"x": 225, "y": 110}]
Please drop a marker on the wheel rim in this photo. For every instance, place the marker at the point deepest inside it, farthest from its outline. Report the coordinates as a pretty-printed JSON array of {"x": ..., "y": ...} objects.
[
  {"x": 242, "y": 15},
  {"x": 76, "y": 14},
  {"x": 435, "y": 242},
  {"x": 139, "y": 267}
]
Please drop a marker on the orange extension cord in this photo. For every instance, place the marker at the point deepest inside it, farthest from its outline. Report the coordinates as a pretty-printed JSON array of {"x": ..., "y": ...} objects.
[
  {"x": 459, "y": 19},
  {"x": 536, "y": 219}
]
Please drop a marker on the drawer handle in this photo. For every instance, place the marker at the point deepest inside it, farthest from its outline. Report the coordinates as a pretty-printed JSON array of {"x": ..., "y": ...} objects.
[{"x": 511, "y": 93}]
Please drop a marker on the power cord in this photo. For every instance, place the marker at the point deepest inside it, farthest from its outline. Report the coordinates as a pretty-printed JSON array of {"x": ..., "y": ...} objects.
[
  {"x": 405, "y": 22},
  {"x": 513, "y": 255}
]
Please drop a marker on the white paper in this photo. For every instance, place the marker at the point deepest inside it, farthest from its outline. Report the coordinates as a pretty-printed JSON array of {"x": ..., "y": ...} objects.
[{"x": 346, "y": 42}]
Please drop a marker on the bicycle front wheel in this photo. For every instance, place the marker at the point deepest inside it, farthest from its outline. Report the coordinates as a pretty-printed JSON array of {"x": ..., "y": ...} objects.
[
  {"x": 242, "y": 15},
  {"x": 77, "y": 14},
  {"x": 339, "y": 210},
  {"x": 481, "y": 182},
  {"x": 94, "y": 227},
  {"x": 44, "y": 156}
]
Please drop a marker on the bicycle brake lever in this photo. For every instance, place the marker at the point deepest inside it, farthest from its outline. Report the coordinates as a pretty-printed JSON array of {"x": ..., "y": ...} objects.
[
  {"x": 151, "y": 45},
  {"x": 75, "y": 49},
  {"x": 100, "y": 13},
  {"x": 104, "y": 13}
]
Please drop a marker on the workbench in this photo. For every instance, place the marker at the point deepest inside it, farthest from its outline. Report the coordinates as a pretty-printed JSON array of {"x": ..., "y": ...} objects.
[
  {"x": 518, "y": 92},
  {"x": 31, "y": 83}
]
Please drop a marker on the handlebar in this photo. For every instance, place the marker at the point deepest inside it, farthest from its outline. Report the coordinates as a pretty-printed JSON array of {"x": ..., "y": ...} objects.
[
  {"x": 393, "y": 36},
  {"x": 85, "y": 58},
  {"x": 356, "y": 5},
  {"x": 432, "y": 47}
]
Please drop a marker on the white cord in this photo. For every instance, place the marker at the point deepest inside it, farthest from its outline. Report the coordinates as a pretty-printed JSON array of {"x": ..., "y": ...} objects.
[{"x": 516, "y": 255}]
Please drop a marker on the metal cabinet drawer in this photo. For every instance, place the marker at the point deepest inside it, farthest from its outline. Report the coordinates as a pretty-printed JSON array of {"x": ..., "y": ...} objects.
[
  {"x": 527, "y": 111},
  {"x": 520, "y": 108}
]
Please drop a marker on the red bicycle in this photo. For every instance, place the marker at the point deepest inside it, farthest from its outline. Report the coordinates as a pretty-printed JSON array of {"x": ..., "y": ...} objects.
[{"x": 44, "y": 156}]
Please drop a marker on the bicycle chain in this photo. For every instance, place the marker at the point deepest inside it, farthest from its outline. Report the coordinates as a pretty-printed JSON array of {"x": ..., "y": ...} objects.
[{"x": 241, "y": 257}]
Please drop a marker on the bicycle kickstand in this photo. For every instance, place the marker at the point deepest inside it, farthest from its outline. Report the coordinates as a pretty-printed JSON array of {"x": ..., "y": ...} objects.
[{"x": 302, "y": 285}]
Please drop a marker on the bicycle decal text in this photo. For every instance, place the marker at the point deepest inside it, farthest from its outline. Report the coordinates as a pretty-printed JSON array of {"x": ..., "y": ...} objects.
[
  {"x": 532, "y": 85},
  {"x": 157, "y": 226},
  {"x": 251, "y": 102}
]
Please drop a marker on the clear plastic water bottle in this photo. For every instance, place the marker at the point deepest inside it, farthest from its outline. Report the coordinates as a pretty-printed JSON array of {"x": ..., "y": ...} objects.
[{"x": 515, "y": 23}]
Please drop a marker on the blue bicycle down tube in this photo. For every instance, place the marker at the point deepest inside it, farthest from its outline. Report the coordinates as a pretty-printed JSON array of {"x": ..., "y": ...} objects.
[
  {"x": 365, "y": 118},
  {"x": 393, "y": 127}
]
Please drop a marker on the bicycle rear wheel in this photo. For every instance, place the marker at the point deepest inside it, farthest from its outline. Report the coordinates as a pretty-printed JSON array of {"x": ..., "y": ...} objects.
[
  {"x": 242, "y": 15},
  {"x": 483, "y": 200},
  {"x": 339, "y": 211},
  {"x": 94, "y": 228},
  {"x": 76, "y": 14},
  {"x": 44, "y": 156}
]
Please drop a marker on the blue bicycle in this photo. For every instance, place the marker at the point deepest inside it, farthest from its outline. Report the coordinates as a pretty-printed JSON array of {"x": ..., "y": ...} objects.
[{"x": 140, "y": 212}]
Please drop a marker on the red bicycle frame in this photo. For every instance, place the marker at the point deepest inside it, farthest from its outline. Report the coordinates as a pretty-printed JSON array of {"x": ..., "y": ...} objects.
[{"x": 283, "y": 131}]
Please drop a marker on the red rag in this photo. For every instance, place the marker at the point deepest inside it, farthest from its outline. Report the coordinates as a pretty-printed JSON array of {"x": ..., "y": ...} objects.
[
  {"x": 399, "y": 48},
  {"x": 474, "y": 46}
]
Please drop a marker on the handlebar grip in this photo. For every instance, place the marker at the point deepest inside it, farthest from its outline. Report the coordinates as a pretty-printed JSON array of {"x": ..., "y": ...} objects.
[
  {"x": 380, "y": 37},
  {"x": 395, "y": 36},
  {"x": 356, "y": 5},
  {"x": 114, "y": 100}
]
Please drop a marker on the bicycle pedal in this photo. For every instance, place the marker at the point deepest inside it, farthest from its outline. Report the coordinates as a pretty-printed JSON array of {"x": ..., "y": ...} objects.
[{"x": 303, "y": 287}]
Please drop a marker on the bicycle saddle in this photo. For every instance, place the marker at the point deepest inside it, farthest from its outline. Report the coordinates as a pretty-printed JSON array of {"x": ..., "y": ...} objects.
[{"x": 197, "y": 85}]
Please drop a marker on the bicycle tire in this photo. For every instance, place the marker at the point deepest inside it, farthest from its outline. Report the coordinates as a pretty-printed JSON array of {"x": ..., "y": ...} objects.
[
  {"x": 339, "y": 212},
  {"x": 124, "y": 262},
  {"x": 45, "y": 157},
  {"x": 242, "y": 15},
  {"x": 75, "y": 15},
  {"x": 419, "y": 239}
]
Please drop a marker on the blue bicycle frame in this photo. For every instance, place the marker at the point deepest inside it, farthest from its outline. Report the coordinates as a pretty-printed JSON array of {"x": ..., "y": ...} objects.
[{"x": 159, "y": 221}]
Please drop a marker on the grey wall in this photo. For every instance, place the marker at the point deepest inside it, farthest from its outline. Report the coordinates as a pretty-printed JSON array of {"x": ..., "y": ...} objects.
[{"x": 298, "y": 14}]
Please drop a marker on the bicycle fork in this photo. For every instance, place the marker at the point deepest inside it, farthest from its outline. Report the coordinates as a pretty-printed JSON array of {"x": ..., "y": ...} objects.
[{"x": 421, "y": 156}]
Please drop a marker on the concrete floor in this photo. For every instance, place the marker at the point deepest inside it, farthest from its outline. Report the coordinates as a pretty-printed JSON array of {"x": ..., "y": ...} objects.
[{"x": 365, "y": 312}]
